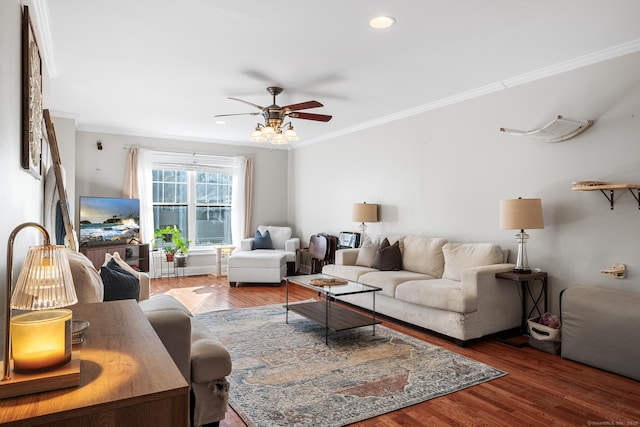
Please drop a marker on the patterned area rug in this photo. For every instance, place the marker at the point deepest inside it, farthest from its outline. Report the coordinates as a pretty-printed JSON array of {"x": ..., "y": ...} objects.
[{"x": 284, "y": 374}]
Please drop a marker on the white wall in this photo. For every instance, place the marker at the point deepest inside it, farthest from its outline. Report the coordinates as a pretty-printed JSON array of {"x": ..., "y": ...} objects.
[
  {"x": 442, "y": 173},
  {"x": 21, "y": 192}
]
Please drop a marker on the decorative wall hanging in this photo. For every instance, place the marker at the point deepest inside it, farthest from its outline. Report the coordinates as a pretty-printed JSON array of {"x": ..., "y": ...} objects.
[{"x": 31, "y": 147}]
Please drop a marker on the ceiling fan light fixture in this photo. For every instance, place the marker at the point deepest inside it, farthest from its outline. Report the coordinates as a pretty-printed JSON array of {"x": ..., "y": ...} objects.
[
  {"x": 273, "y": 128},
  {"x": 382, "y": 22},
  {"x": 268, "y": 131},
  {"x": 290, "y": 134},
  {"x": 257, "y": 135},
  {"x": 278, "y": 139}
]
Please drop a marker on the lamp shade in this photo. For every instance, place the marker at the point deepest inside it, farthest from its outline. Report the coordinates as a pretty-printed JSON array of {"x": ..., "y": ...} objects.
[
  {"x": 45, "y": 280},
  {"x": 365, "y": 212},
  {"x": 521, "y": 214}
]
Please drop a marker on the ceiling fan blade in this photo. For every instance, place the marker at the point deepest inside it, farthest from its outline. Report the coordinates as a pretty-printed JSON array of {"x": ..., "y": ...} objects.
[
  {"x": 237, "y": 114},
  {"x": 302, "y": 106},
  {"x": 247, "y": 102},
  {"x": 310, "y": 116}
]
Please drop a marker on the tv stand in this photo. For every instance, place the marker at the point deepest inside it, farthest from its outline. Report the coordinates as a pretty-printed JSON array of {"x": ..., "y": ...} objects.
[{"x": 134, "y": 255}]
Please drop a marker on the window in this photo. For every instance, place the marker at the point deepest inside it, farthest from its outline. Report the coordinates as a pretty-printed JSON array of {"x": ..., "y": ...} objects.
[{"x": 195, "y": 197}]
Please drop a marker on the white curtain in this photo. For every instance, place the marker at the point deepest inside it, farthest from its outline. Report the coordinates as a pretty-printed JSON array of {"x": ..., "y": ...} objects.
[
  {"x": 130, "y": 189},
  {"x": 241, "y": 198},
  {"x": 137, "y": 185},
  {"x": 145, "y": 193}
]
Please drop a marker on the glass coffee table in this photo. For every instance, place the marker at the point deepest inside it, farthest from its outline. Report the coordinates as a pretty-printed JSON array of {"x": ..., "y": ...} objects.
[{"x": 332, "y": 316}]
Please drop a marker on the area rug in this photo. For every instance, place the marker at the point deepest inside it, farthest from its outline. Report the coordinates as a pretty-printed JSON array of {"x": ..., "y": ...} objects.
[{"x": 284, "y": 374}]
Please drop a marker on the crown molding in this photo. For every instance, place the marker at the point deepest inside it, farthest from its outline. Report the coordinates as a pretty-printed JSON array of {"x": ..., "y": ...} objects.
[
  {"x": 41, "y": 16},
  {"x": 145, "y": 134},
  {"x": 65, "y": 115},
  {"x": 572, "y": 64}
]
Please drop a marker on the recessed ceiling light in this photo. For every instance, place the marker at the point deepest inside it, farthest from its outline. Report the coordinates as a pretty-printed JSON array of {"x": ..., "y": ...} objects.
[
  {"x": 382, "y": 22},
  {"x": 221, "y": 122}
]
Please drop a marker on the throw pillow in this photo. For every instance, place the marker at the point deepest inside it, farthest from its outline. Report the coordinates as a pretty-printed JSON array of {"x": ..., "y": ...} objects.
[
  {"x": 86, "y": 278},
  {"x": 122, "y": 263},
  {"x": 119, "y": 283},
  {"x": 458, "y": 256},
  {"x": 388, "y": 257},
  {"x": 262, "y": 241},
  {"x": 367, "y": 253}
]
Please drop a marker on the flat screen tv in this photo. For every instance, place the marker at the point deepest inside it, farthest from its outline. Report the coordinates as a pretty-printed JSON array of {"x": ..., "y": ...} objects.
[{"x": 108, "y": 220}]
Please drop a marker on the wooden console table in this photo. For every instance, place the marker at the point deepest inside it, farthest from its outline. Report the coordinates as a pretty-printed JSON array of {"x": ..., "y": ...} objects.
[{"x": 127, "y": 378}]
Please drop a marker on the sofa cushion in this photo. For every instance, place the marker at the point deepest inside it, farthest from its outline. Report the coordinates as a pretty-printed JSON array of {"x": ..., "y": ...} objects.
[
  {"x": 443, "y": 294},
  {"x": 388, "y": 280},
  {"x": 367, "y": 252},
  {"x": 424, "y": 255},
  {"x": 388, "y": 257},
  {"x": 458, "y": 256},
  {"x": 348, "y": 272},
  {"x": 86, "y": 278},
  {"x": 118, "y": 283},
  {"x": 262, "y": 240}
]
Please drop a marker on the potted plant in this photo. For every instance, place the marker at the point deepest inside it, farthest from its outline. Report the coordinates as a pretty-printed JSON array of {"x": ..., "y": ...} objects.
[
  {"x": 182, "y": 247},
  {"x": 170, "y": 251},
  {"x": 172, "y": 241}
]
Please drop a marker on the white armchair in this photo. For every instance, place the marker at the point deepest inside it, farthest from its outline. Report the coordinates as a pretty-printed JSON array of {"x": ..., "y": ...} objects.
[
  {"x": 280, "y": 238},
  {"x": 251, "y": 265}
]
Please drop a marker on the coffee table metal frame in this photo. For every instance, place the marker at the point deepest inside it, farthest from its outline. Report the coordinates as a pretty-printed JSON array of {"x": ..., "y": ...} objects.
[{"x": 330, "y": 315}]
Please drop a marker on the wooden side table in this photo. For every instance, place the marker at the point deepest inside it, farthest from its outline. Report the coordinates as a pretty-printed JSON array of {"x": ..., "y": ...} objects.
[
  {"x": 529, "y": 293},
  {"x": 127, "y": 378}
]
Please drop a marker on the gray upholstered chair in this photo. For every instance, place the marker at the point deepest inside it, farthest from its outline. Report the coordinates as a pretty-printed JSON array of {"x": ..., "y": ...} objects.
[{"x": 201, "y": 360}]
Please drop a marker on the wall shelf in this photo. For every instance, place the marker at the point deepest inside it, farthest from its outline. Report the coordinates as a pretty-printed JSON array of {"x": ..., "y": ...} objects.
[
  {"x": 559, "y": 129},
  {"x": 603, "y": 187}
]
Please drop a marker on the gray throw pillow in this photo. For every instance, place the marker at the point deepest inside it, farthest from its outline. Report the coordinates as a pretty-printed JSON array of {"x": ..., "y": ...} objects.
[
  {"x": 367, "y": 252},
  {"x": 262, "y": 241},
  {"x": 388, "y": 257}
]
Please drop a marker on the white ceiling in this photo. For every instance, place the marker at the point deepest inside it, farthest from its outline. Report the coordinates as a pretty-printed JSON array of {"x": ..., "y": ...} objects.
[{"x": 166, "y": 67}]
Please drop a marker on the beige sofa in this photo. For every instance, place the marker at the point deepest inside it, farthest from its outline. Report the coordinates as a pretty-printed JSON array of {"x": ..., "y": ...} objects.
[
  {"x": 449, "y": 288},
  {"x": 203, "y": 363}
]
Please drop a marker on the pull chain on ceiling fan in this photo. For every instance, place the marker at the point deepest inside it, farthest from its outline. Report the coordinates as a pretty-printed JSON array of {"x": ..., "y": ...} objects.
[{"x": 274, "y": 128}]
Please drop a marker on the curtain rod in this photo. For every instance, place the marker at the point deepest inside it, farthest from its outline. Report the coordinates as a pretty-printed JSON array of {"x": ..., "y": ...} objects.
[{"x": 127, "y": 147}]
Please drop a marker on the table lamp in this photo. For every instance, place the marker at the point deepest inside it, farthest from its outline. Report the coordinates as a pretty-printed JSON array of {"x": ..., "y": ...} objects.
[
  {"x": 40, "y": 340},
  {"x": 521, "y": 214},
  {"x": 364, "y": 212}
]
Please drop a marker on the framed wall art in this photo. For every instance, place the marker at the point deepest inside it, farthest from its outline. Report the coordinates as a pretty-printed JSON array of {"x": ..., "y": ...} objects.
[{"x": 31, "y": 144}]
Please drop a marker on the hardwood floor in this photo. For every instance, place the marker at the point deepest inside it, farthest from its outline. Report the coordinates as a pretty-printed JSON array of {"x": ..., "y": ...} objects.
[{"x": 540, "y": 389}]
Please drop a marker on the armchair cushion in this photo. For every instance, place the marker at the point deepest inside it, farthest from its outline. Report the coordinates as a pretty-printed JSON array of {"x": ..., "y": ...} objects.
[{"x": 279, "y": 235}]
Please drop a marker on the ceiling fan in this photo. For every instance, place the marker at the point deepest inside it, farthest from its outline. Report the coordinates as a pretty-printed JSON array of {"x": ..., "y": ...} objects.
[{"x": 274, "y": 116}]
